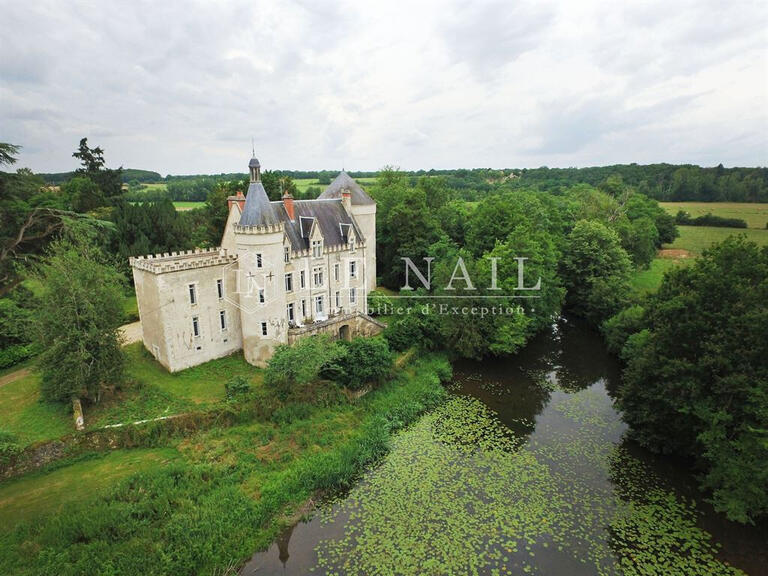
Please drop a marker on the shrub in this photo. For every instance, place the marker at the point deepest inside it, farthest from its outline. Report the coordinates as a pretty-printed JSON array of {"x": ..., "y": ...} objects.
[
  {"x": 378, "y": 303},
  {"x": 618, "y": 328},
  {"x": 413, "y": 330},
  {"x": 293, "y": 368},
  {"x": 8, "y": 447},
  {"x": 14, "y": 354},
  {"x": 237, "y": 386},
  {"x": 709, "y": 219},
  {"x": 366, "y": 360}
]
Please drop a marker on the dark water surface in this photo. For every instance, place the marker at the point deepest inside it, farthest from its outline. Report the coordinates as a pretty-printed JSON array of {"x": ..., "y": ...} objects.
[{"x": 554, "y": 401}]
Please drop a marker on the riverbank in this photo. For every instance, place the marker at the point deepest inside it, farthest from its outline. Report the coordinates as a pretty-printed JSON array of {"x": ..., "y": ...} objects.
[
  {"x": 525, "y": 469},
  {"x": 214, "y": 496}
]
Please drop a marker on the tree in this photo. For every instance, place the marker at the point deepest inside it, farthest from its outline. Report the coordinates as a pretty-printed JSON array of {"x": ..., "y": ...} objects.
[
  {"x": 8, "y": 153},
  {"x": 596, "y": 271},
  {"x": 77, "y": 321},
  {"x": 696, "y": 380},
  {"x": 83, "y": 193},
  {"x": 110, "y": 182},
  {"x": 366, "y": 360},
  {"x": 292, "y": 369}
]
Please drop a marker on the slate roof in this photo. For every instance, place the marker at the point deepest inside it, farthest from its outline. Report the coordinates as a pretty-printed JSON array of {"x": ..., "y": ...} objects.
[
  {"x": 329, "y": 215},
  {"x": 258, "y": 210},
  {"x": 345, "y": 181}
]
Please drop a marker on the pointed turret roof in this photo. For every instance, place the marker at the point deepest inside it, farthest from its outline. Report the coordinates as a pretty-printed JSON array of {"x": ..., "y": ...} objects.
[
  {"x": 345, "y": 182},
  {"x": 258, "y": 211}
]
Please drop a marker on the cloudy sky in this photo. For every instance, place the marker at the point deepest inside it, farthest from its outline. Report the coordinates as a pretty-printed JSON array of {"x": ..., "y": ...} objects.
[{"x": 183, "y": 87}]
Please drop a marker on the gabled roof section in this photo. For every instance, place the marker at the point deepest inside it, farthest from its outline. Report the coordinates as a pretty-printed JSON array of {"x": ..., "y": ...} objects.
[
  {"x": 345, "y": 182},
  {"x": 258, "y": 210},
  {"x": 329, "y": 215}
]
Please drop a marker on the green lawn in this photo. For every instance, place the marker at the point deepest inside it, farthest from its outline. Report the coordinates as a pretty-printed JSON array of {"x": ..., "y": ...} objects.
[
  {"x": 26, "y": 417},
  {"x": 35, "y": 495},
  {"x": 649, "y": 280},
  {"x": 130, "y": 308},
  {"x": 695, "y": 239},
  {"x": 202, "y": 384},
  {"x": 156, "y": 186},
  {"x": 150, "y": 392},
  {"x": 182, "y": 206},
  {"x": 756, "y": 215}
]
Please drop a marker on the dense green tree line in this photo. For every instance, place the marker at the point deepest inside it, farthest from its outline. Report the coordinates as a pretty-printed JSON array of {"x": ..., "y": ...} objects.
[
  {"x": 580, "y": 245},
  {"x": 696, "y": 378}
]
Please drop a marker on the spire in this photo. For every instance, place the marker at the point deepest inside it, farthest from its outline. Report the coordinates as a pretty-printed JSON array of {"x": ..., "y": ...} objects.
[
  {"x": 257, "y": 210},
  {"x": 255, "y": 169}
]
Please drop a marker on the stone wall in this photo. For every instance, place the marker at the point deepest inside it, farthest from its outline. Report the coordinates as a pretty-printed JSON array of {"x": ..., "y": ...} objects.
[{"x": 359, "y": 325}]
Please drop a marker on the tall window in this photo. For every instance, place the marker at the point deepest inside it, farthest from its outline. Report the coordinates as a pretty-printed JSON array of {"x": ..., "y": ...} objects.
[
  {"x": 290, "y": 312},
  {"x": 287, "y": 254},
  {"x": 352, "y": 296},
  {"x": 302, "y": 279},
  {"x": 319, "y": 304},
  {"x": 195, "y": 326},
  {"x": 317, "y": 276},
  {"x": 303, "y": 308},
  {"x": 353, "y": 269},
  {"x": 259, "y": 261},
  {"x": 223, "y": 319},
  {"x": 336, "y": 272},
  {"x": 220, "y": 288},
  {"x": 261, "y": 296},
  {"x": 338, "y": 299},
  {"x": 263, "y": 328},
  {"x": 192, "y": 294},
  {"x": 289, "y": 282},
  {"x": 317, "y": 248}
]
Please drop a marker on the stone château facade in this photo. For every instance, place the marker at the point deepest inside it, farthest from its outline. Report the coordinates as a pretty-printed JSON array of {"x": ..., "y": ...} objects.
[{"x": 285, "y": 270}]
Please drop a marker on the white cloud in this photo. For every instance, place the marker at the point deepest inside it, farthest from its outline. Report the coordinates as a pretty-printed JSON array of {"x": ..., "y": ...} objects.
[{"x": 182, "y": 88}]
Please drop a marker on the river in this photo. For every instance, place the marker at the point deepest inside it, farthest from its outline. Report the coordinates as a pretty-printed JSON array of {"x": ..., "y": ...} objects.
[{"x": 526, "y": 470}]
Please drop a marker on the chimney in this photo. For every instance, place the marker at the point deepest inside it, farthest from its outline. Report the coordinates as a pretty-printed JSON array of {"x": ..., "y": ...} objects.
[
  {"x": 239, "y": 198},
  {"x": 288, "y": 203},
  {"x": 346, "y": 199}
]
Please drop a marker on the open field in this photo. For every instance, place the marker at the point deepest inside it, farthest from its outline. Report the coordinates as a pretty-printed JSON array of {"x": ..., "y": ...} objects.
[
  {"x": 695, "y": 239},
  {"x": 28, "y": 418},
  {"x": 755, "y": 215},
  {"x": 649, "y": 280},
  {"x": 151, "y": 392},
  {"x": 35, "y": 495},
  {"x": 182, "y": 206}
]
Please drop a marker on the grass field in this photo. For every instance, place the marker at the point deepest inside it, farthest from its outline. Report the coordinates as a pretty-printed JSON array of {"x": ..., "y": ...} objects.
[
  {"x": 649, "y": 280},
  {"x": 755, "y": 215},
  {"x": 28, "y": 418},
  {"x": 229, "y": 488},
  {"x": 151, "y": 392},
  {"x": 182, "y": 206},
  {"x": 695, "y": 239},
  {"x": 36, "y": 495}
]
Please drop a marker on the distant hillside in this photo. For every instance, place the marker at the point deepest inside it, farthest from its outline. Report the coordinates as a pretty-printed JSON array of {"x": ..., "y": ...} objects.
[{"x": 144, "y": 176}]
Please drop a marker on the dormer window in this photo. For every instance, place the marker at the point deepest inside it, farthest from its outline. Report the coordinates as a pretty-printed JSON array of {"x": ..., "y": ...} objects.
[
  {"x": 351, "y": 243},
  {"x": 286, "y": 254},
  {"x": 317, "y": 248}
]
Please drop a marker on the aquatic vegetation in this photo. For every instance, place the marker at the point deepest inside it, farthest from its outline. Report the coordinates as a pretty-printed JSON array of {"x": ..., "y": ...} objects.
[{"x": 460, "y": 494}]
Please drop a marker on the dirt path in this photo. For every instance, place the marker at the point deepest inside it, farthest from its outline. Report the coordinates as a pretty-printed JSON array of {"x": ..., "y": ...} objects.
[
  {"x": 674, "y": 254},
  {"x": 13, "y": 376},
  {"x": 131, "y": 333}
]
